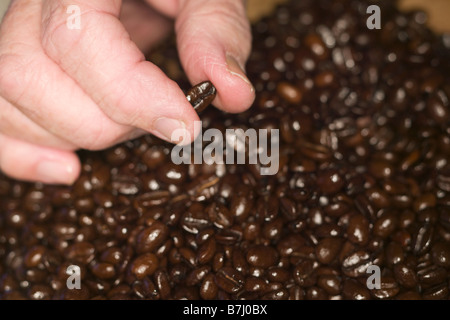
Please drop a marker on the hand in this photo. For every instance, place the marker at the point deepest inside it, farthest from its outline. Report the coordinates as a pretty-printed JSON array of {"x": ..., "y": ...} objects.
[{"x": 62, "y": 89}]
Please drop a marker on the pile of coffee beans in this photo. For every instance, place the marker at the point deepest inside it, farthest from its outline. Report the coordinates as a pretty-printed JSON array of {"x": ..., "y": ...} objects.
[{"x": 363, "y": 183}]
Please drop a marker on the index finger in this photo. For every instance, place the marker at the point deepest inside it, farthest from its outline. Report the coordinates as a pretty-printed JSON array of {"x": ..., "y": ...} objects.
[{"x": 102, "y": 59}]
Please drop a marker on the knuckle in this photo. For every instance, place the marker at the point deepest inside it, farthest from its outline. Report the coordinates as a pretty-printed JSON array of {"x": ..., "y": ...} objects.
[
  {"x": 15, "y": 75},
  {"x": 99, "y": 137}
]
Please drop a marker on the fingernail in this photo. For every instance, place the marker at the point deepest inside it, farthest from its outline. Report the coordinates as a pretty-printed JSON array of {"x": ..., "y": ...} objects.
[
  {"x": 170, "y": 129},
  {"x": 51, "y": 171},
  {"x": 237, "y": 70}
]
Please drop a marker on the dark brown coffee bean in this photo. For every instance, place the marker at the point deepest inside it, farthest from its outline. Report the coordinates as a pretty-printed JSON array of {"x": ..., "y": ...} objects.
[
  {"x": 388, "y": 288},
  {"x": 220, "y": 215},
  {"x": 152, "y": 237},
  {"x": 262, "y": 256},
  {"x": 356, "y": 264},
  {"x": 431, "y": 275},
  {"x": 439, "y": 292},
  {"x": 353, "y": 290},
  {"x": 304, "y": 273},
  {"x": 394, "y": 253},
  {"x": 385, "y": 225},
  {"x": 289, "y": 92},
  {"x": 441, "y": 254},
  {"x": 197, "y": 275},
  {"x": 330, "y": 181},
  {"x": 103, "y": 270},
  {"x": 154, "y": 157},
  {"x": 405, "y": 276},
  {"x": 40, "y": 292},
  {"x": 209, "y": 289},
  {"x": 358, "y": 229},
  {"x": 206, "y": 251},
  {"x": 162, "y": 283},
  {"x": 201, "y": 95},
  {"x": 278, "y": 274},
  {"x": 314, "y": 42},
  {"x": 34, "y": 256},
  {"x": 330, "y": 283},
  {"x": 229, "y": 280},
  {"x": 381, "y": 169},
  {"x": 422, "y": 239},
  {"x": 327, "y": 249},
  {"x": 254, "y": 284},
  {"x": 316, "y": 293},
  {"x": 81, "y": 252},
  {"x": 144, "y": 265},
  {"x": 324, "y": 79},
  {"x": 408, "y": 295}
]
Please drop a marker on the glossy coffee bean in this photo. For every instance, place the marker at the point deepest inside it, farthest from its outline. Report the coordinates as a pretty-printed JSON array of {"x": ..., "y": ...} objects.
[{"x": 201, "y": 95}]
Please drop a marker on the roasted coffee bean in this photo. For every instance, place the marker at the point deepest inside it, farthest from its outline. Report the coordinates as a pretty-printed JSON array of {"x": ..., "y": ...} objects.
[
  {"x": 289, "y": 92},
  {"x": 353, "y": 290},
  {"x": 327, "y": 249},
  {"x": 201, "y": 95},
  {"x": 254, "y": 284},
  {"x": 330, "y": 283},
  {"x": 439, "y": 292},
  {"x": 358, "y": 229},
  {"x": 388, "y": 288},
  {"x": 229, "y": 280},
  {"x": 144, "y": 265},
  {"x": 262, "y": 256},
  {"x": 356, "y": 264},
  {"x": 103, "y": 270},
  {"x": 151, "y": 238},
  {"x": 405, "y": 276},
  {"x": 431, "y": 275},
  {"x": 330, "y": 181},
  {"x": 209, "y": 289}
]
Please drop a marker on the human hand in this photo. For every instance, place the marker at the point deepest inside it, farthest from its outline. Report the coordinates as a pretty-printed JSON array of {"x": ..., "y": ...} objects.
[{"x": 62, "y": 89}]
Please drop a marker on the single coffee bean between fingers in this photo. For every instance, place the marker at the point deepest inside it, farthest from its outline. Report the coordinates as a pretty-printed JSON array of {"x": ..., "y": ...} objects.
[{"x": 201, "y": 95}]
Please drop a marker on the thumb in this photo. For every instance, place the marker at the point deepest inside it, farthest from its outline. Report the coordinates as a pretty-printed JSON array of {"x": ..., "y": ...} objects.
[{"x": 214, "y": 42}]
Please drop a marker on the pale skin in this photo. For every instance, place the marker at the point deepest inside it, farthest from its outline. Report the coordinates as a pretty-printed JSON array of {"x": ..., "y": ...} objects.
[{"x": 63, "y": 89}]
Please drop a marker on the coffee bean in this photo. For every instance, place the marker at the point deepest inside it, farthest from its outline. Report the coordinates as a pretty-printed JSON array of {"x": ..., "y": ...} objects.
[
  {"x": 229, "y": 280},
  {"x": 327, "y": 249},
  {"x": 289, "y": 92},
  {"x": 201, "y": 95},
  {"x": 144, "y": 265},
  {"x": 388, "y": 288},
  {"x": 262, "y": 256},
  {"x": 152, "y": 237},
  {"x": 330, "y": 283},
  {"x": 330, "y": 181},
  {"x": 353, "y": 290},
  {"x": 209, "y": 289},
  {"x": 405, "y": 276},
  {"x": 358, "y": 229},
  {"x": 103, "y": 270}
]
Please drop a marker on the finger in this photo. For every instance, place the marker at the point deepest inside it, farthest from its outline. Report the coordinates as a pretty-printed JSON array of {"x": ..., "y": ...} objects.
[
  {"x": 214, "y": 42},
  {"x": 31, "y": 81},
  {"x": 145, "y": 26},
  {"x": 109, "y": 67},
  {"x": 25, "y": 161},
  {"x": 15, "y": 124}
]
